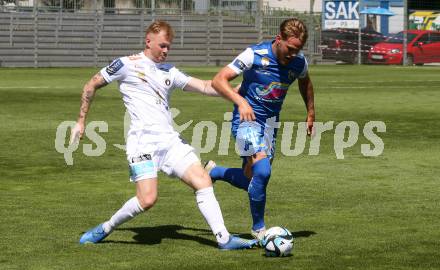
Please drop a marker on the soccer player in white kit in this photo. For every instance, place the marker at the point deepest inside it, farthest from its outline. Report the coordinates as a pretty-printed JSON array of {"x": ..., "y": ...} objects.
[{"x": 146, "y": 83}]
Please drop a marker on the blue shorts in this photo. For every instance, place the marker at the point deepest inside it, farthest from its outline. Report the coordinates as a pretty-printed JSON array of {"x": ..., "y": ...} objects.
[{"x": 252, "y": 138}]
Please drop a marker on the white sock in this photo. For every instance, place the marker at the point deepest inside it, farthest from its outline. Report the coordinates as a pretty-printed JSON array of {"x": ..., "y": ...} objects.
[
  {"x": 128, "y": 211},
  {"x": 210, "y": 210}
]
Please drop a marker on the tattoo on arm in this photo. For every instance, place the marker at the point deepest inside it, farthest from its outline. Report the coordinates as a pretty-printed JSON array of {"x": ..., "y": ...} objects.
[{"x": 88, "y": 93}]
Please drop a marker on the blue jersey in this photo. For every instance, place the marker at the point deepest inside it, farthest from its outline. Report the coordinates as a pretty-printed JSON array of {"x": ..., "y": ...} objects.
[{"x": 265, "y": 81}]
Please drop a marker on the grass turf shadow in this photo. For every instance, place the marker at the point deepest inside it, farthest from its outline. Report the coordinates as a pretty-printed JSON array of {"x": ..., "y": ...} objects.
[{"x": 154, "y": 235}]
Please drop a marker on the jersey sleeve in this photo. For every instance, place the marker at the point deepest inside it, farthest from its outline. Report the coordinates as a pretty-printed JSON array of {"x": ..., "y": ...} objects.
[
  {"x": 117, "y": 70},
  {"x": 243, "y": 61},
  {"x": 180, "y": 78},
  {"x": 305, "y": 69}
]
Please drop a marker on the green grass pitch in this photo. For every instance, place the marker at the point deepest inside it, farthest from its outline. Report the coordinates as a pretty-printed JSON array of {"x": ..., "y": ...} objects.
[{"x": 354, "y": 213}]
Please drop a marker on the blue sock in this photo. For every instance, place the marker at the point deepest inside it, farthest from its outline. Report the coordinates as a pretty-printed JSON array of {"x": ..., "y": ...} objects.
[
  {"x": 233, "y": 176},
  {"x": 257, "y": 191}
]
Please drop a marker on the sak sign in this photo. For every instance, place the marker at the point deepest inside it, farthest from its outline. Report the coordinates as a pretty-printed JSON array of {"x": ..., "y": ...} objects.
[{"x": 341, "y": 14}]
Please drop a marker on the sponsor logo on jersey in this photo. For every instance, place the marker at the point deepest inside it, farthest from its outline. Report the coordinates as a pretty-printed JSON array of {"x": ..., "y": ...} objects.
[
  {"x": 265, "y": 62},
  {"x": 141, "y": 74},
  {"x": 263, "y": 72},
  {"x": 274, "y": 92},
  {"x": 262, "y": 51},
  {"x": 114, "y": 67},
  {"x": 239, "y": 64}
]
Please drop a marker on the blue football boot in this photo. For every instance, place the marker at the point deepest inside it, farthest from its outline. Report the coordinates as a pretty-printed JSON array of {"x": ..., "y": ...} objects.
[
  {"x": 94, "y": 235},
  {"x": 236, "y": 242}
]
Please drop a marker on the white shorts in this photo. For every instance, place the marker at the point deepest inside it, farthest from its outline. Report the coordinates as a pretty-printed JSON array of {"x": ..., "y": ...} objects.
[{"x": 149, "y": 152}]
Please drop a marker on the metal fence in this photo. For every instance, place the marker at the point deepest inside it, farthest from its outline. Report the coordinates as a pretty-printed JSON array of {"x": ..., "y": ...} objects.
[
  {"x": 207, "y": 32},
  {"x": 251, "y": 12},
  {"x": 213, "y": 31}
]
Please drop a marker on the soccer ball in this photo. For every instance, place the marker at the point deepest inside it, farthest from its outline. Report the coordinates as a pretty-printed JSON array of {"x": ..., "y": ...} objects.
[
  {"x": 277, "y": 231},
  {"x": 278, "y": 242}
]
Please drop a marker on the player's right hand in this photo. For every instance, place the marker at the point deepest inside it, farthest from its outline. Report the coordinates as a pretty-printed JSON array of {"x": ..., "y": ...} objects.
[
  {"x": 310, "y": 124},
  {"x": 76, "y": 133},
  {"x": 246, "y": 112}
]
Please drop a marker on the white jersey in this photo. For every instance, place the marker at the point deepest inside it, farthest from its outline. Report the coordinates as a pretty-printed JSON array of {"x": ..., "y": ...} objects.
[
  {"x": 146, "y": 87},
  {"x": 152, "y": 142}
]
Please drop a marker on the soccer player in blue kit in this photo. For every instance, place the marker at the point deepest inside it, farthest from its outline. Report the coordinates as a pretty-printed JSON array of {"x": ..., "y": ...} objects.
[{"x": 268, "y": 68}]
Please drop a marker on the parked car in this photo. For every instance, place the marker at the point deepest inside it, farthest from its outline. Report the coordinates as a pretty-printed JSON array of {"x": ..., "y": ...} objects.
[
  {"x": 423, "y": 46},
  {"x": 343, "y": 44}
]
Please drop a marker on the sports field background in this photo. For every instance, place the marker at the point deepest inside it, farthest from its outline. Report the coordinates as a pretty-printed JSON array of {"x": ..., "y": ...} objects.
[{"x": 356, "y": 213}]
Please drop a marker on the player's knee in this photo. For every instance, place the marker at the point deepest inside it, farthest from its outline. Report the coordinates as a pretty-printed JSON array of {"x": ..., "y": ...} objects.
[
  {"x": 262, "y": 169},
  {"x": 204, "y": 181},
  {"x": 263, "y": 173},
  {"x": 146, "y": 202},
  {"x": 200, "y": 180}
]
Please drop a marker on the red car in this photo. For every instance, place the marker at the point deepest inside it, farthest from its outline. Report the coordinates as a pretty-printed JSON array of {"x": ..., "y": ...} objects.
[{"x": 423, "y": 47}]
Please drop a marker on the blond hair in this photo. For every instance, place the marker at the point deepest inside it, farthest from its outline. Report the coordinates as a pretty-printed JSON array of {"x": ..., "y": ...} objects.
[
  {"x": 158, "y": 26},
  {"x": 293, "y": 27}
]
